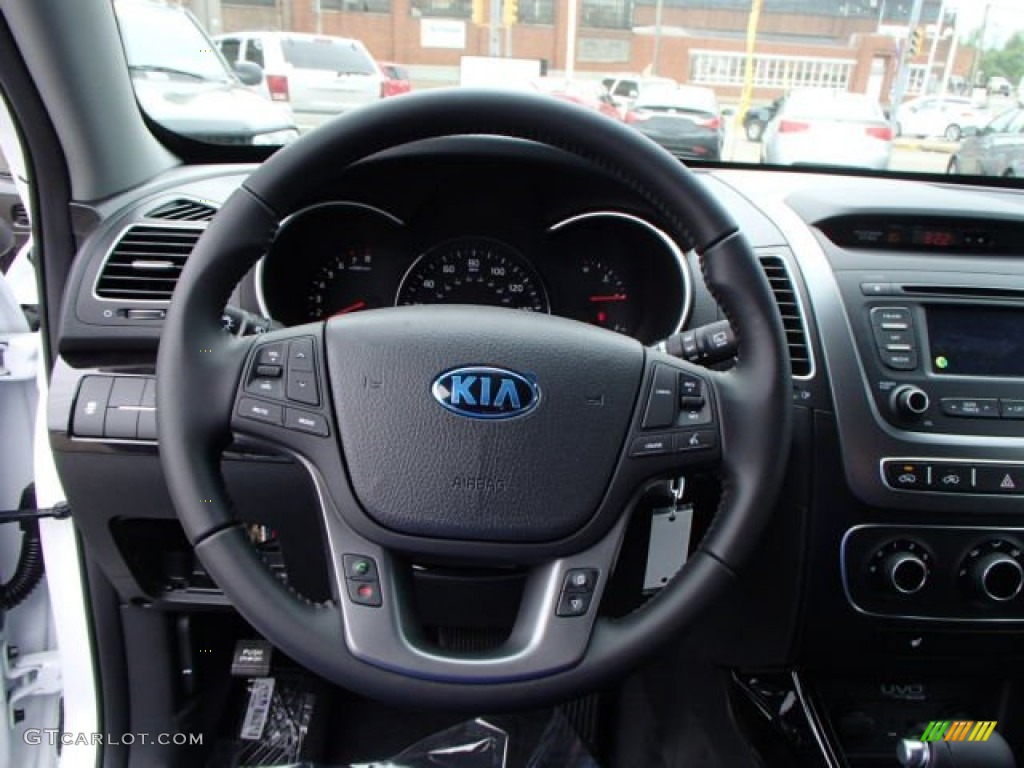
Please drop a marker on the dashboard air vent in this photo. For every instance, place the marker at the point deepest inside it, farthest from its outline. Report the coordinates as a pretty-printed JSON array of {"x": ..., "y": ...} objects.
[
  {"x": 789, "y": 307},
  {"x": 145, "y": 263},
  {"x": 183, "y": 210},
  {"x": 19, "y": 216}
]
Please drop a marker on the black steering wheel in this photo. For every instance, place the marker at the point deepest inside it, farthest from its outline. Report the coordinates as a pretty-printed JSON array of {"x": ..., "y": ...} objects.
[{"x": 469, "y": 434}]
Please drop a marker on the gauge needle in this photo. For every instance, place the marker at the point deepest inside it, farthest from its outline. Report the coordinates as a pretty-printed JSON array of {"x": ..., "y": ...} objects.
[
  {"x": 609, "y": 297},
  {"x": 351, "y": 308}
]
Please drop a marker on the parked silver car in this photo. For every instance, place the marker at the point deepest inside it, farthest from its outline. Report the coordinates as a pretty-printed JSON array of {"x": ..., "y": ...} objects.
[
  {"x": 824, "y": 127},
  {"x": 184, "y": 84},
  {"x": 318, "y": 75}
]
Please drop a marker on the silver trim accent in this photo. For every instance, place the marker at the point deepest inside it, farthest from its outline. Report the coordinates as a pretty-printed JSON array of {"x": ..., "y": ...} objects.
[
  {"x": 814, "y": 723},
  {"x": 905, "y": 558},
  {"x": 946, "y": 460},
  {"x": 1004, "y": 560},
  {"x": 154, "y": 265},
  {"x": 844, "y": 572},
  {"x": 193, "y": 226},
  {"x": 800, "y": 308},
  {"x": 673, "y": 247},
  {"x": 261, "y": 300}
]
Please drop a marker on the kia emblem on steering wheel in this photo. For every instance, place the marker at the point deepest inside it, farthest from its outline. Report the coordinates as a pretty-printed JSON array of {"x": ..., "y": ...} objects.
[{"x": 486, "y": 392}]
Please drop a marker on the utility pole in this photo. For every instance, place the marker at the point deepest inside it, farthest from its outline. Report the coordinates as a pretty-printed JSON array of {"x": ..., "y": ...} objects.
[
  {"x": 657, "y": 35},
  {"x": 931, "y": 51},
  {"x": 903, "y": 70},
  {"x": 570, "y": 39},
  {"x": 495, "y": 29},
  {"x": 980, "y": 50},
  {"x": 318, "y": 17},
  {"x": 950, "y": 59}
]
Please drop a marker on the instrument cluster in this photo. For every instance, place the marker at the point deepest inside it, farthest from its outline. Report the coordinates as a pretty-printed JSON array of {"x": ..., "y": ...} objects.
[{"x": 607, "y": 268}]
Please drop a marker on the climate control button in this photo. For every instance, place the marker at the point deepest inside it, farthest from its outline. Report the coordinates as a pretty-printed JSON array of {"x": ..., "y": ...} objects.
[
  {"x": 992, "y": 571},
  {"x": 901, "y": 568}
]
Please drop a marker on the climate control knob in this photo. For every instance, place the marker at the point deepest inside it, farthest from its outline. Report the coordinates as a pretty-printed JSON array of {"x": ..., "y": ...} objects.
[
  {"x": 909, "y": 402},
  {"x": 901, "y": 568},
  {"x": 994, "y": 571}
]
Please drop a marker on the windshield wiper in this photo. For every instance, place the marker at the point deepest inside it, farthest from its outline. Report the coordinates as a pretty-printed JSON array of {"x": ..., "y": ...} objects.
[{"x": 174, "y": 71}]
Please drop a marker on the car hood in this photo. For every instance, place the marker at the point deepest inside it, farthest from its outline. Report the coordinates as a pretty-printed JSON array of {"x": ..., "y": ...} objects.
[{"x": 209, "y": 110}]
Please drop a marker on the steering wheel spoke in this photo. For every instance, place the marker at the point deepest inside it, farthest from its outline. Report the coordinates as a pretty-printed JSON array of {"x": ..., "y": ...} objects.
[{"x": 553, "y": 626}]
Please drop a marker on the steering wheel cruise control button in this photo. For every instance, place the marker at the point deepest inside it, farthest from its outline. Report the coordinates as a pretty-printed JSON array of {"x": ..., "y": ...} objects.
[
  {"x": 654, "y": 445},
  {"x": 661, "y": 403},
  {"x": 127, "y": 390},
  {"x": 304, "y": 421},
  {"x": 260, "y": 411}
]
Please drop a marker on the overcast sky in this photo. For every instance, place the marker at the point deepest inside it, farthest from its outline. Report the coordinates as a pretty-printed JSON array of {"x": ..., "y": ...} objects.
[{"x": 1005, "y": 19}]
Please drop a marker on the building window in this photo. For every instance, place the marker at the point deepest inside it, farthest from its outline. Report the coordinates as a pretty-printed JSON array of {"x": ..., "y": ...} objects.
[
  {"x": 444, "y": 9},
  {"x": 770, "y": 70},
  {"x": 607, "y": 14},
  {"x": 360, "y": 6},
  {"x": 264, "y": 3},
  {"x": 537, "y": 11}
]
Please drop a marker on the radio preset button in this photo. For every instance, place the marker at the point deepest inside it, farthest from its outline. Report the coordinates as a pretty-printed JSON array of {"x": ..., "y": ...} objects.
[
  {"x": 880, "y": 315},
  {"x": 971, "y": 408},
  {"x": 876, "y": 289},
  {"x": 885, "y": 337}
]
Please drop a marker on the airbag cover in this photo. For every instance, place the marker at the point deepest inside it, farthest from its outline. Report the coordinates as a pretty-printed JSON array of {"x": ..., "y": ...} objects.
[{"x": 421, "y": 467}]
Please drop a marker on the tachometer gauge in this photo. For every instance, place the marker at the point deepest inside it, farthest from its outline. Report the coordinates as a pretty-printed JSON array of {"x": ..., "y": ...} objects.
[
  {"x": 605, "y": 296},
  {"x": 473, "y": 270},
  {"x": 344, "y": 283}
]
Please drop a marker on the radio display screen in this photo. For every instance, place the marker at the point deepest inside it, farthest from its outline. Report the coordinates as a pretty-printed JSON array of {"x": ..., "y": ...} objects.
[{"x": 968, "y": 341}]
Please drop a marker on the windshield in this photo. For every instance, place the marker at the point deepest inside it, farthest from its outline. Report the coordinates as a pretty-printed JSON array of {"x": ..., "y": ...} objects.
[
  {"x": 931, "y": 76},
  {"x": 162, "y": 41}
]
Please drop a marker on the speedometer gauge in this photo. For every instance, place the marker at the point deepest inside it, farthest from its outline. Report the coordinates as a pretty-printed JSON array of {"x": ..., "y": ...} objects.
[{"x": 473, "y": 271}]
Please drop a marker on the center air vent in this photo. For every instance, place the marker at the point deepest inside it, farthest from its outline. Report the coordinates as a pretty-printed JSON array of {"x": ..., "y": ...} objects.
[
  {"x": 144, "y": 265},
  {"x": 789, "y": 307},
  {"x": 183, "y": 210}
]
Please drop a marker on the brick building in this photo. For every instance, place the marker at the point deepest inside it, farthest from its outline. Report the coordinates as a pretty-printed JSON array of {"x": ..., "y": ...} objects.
[{"x": 852, "y": 44}]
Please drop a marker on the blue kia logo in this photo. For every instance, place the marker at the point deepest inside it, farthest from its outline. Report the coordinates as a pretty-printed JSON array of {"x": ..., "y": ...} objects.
[{"x": 482, "y": 392}]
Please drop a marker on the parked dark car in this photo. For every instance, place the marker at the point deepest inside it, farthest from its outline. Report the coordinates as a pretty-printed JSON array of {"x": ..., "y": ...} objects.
[
  {"x": 757, "y": 117},
  {"x": 995, "y": 150},
  {"x": 685, "y": 120}
]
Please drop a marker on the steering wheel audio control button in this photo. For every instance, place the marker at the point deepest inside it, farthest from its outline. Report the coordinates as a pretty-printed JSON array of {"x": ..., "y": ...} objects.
[
  {"x": 300, "y": 355},
  {"x": 661, "y": 402},
  {"x": 654, "y": 445},
  {"x": 359, "y": 568},
  {"x": 266, "y": 388},
  {"x": 269, "y": 371},
  {"x": 304, "y": 421},
  {"x": 260, "y": 411},
  {"x": 572, "y": 604},
  {"x": 271, "y": 354},
  {"x": 302, "y": 387}
]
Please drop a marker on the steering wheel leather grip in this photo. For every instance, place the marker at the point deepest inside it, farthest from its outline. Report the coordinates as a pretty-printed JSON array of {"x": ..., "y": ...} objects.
[{"x": 204, "y": 378}]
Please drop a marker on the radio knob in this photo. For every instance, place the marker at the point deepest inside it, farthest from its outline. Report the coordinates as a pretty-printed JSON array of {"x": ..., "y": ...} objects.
[
  {"x": 905, "y": 572},
  {"x": 910, "y": 402},
  {"x": 997, "y": 576}
]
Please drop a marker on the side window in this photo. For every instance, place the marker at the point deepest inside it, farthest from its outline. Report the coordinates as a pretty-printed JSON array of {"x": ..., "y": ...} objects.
[
  {"x": 254, "y": 52},
  {"x": 229, "y": 47}
]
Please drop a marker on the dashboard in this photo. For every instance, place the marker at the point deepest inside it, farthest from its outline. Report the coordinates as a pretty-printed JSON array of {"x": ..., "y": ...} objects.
[{"x": 901, "y": 527}]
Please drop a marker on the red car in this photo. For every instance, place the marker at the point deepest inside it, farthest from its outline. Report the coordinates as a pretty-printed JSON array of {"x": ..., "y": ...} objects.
[
  {"x": 396, "y": 79},
  {"x": 588, "y": 93}
]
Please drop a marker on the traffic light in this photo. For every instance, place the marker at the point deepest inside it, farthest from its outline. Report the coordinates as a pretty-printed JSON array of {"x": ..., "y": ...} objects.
[
  {"x": 479, "y": 12},
  {"x": 917, "y": 41},
  {"x": 510, "y": 12}
]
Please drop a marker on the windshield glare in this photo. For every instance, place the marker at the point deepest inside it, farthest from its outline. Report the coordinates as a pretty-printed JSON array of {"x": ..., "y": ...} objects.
[{"x": 936, "y": 72}]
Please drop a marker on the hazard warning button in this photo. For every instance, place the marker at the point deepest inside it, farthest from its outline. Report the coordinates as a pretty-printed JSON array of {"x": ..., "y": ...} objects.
[{"x": 999, "y": 479}]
